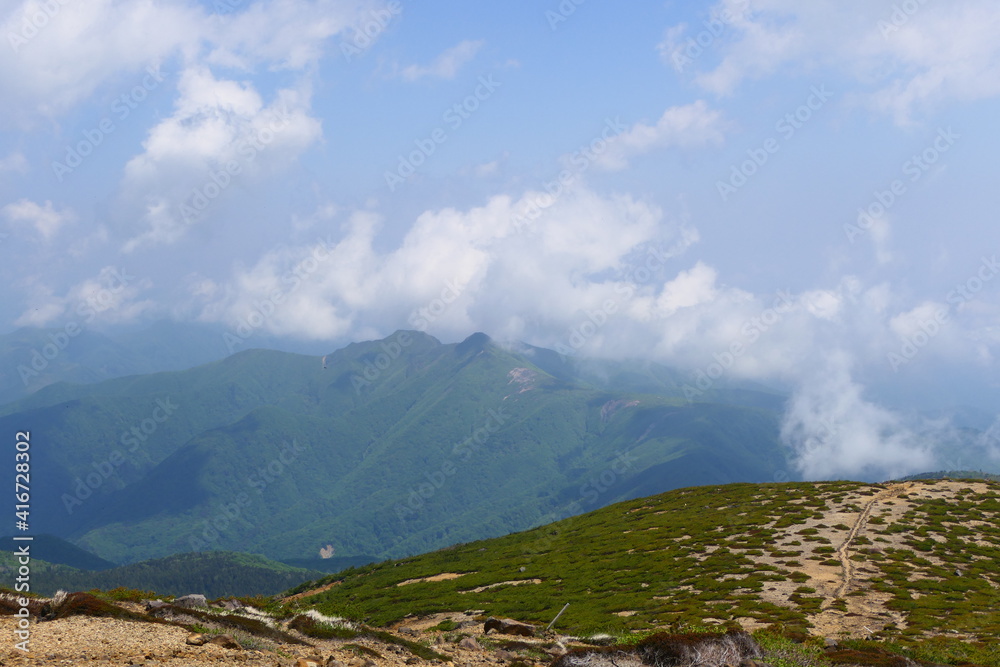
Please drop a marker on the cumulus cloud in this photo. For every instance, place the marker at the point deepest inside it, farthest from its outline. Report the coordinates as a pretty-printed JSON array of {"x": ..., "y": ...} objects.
[
  {"x": 63, "y": 51},
  {"x": 110, "y": 297},
  {"x": 14, "y": 162},
  {"x": 606, "y": 276},
  {"x": 221, "y": 132},
  {"x": 686, "y": 126},
  {"x": 906, "y": 60},
  {"x": 446, "y": 65},
  {"x": 836, "y": 433},
  {"x": 45, "y": 219}
]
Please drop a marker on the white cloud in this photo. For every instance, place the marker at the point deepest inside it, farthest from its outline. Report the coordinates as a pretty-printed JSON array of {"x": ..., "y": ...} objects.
[
  {"x": 220, "y": 133},
  {"x": 904, "y": 62},
  {"x": 44, "y": 219},
  {"x": 84, "y": 45},
  {"x": 446, "y": 65},
  {"x": 14, "y": 162},
  {"x": 690, "y": 125},
  {"x": 836, "y": 433},
  {"x": 110, "y": 297}
]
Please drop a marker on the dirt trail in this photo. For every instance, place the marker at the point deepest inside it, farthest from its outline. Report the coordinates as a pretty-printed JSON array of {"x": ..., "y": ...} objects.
[{"x": 843, "y": 552}]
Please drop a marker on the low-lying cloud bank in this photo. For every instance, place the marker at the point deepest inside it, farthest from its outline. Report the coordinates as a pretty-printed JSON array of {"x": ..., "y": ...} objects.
[{"x": 613, "y": 276}]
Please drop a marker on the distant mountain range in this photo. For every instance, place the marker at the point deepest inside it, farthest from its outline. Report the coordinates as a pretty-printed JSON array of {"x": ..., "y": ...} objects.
[
  {"x": 32, "y": 358},
  {"x": 383, "y": 448}
]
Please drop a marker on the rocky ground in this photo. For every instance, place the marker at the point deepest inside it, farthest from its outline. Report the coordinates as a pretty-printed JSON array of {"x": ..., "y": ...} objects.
[{"x": 88, "y": 640}]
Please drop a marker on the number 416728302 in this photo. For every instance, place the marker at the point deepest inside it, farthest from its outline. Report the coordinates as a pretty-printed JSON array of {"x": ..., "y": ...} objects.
[{"x": 22, "y": 480}]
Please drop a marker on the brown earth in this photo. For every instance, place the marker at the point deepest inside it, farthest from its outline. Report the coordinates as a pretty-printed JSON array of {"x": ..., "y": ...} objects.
[{"x": 104, "y": 642}]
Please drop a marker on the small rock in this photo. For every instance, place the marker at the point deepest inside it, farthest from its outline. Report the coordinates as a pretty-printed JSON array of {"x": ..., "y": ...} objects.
[
  {"x": 408, "y": 631},
  {"x": 307, "y": 662},
  {"x": 191, "y": 601},
  {"x": 155, "y": 604},
  {"x": 333, "y": 662},
  {"x": 557, "y": 650},
  {"x": 830, "y": 644},
  {"x": 412, "y": 661},
  {"x": 469, "y": 644},
  {"x": 225, "y": 641},
  {"x": 196, "y": 639},
  {"x": 505, "y": 655},
  {"x": 508, "y": 627},
  {"x": 232, "y": 605}
]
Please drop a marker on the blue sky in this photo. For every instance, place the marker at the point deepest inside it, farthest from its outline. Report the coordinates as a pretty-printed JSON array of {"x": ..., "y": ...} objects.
[{"x": 640, "y": 181}]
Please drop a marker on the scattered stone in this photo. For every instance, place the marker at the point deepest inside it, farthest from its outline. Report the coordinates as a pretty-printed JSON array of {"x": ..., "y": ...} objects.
[
  {"x": 469, "y": 644},
  {"x": 333, "y": 662},
  {"x": 830, "y": 644},
  {"x": 505, "y": 655},
  {"x": 408, "y": 631},
  {"x": 225, "y": 641},
  {"x": 508, "y": 627},
  {"x": 558, "y": 650},
  {"x": 232, "y": 605},
  {"x": 196, "y": 639},
  {"x": 412, "y": 661},
  {"x": 191, "y": 601},
  {"x": 308, "y": 662},
  {"x": 155, "y": 604}
]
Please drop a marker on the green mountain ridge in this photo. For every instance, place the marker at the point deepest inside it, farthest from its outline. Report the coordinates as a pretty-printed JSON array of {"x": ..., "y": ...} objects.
[{"x": 381, "y": 448}]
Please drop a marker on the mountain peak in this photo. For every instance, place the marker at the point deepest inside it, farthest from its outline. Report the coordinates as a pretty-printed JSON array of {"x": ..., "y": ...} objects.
[{"x": 477, "y": 342}]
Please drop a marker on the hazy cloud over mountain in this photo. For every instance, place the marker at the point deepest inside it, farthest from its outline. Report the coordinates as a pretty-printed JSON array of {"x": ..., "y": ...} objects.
[{"x": 795, "y": 194}]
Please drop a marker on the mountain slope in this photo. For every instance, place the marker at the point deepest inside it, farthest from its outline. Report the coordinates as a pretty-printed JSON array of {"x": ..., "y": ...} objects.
[
  {"x": 382, "y": 448},
  {"x": 839, "y": 558}
]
